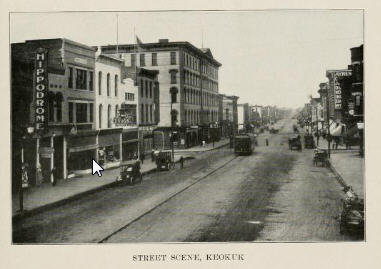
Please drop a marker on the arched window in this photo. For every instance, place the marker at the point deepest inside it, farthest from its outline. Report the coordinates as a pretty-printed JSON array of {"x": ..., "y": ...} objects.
[
  {"x": 100, "y": 116},
  {"x": 109, "y": 116},
  {"x": 108, "y": 84},
  {"x": 100, "y": 82},
  {"x": 116, "y": 110},
  {"x": 116, "y": 85}
]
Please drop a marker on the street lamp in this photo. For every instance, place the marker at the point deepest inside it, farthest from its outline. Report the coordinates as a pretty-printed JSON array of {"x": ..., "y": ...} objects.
[{"x": 24, "y": 170}]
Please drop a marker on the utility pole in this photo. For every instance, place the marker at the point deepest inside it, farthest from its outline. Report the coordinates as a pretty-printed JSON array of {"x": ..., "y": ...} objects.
[{"x": 329, "y": 125}]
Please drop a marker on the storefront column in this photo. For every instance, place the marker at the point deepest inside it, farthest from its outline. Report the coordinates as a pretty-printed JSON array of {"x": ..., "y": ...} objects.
[
  {"x": 52, "y": 158},
  {"x": 121, "y": 147},
  {"x": 64, "y": 158},
  {"x": 38, "y": 166}
]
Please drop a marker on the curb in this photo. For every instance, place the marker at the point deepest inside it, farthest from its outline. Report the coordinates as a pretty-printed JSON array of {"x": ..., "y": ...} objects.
[
  {"x": 339, "y": 178},
  {"x": 198, "y": 151},
  {"x": 36, "y": 210}
]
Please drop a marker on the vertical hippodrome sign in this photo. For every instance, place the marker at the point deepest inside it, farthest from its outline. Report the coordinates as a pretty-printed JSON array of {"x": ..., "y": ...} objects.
[{"x": 41, "y": 89}]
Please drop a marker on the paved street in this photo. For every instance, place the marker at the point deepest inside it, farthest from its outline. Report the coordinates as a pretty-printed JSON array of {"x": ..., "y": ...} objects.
[{"x": 273, "y": 195}]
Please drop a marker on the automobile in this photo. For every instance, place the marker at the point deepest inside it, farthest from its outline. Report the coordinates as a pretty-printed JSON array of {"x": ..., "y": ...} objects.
[
  {"x": 352, "y": 217},
  {"x": 309, "y": 142},
  {"x": 320, "y": 157},
  {"x": 295, "y": 143},
  {"x": 164, "y": 160},
  {"x": 130, "y": 172}
]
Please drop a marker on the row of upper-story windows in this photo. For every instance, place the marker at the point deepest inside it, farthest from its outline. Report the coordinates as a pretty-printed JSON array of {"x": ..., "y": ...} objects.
[
  {"x": 146, "y": 113},
  {"x": 115, "y": 82},
  {"x": 209, "y": 70},
  {"x": 191, "y": 79},
  {"x": 146, "y": 88},
  {"x": 80, "y": 79},
  {"x": 191, "y": 61},
  {"x": 210, "y": 85},
  {"x": 155, "y": 61},
  {"x": 192, "y": 96},
  {"x": 81, "y": 112},
  {"x": 129, "y": 96}
]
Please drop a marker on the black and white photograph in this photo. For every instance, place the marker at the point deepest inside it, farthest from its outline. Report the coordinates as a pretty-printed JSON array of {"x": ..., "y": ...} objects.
[{"x": 187, "y": 126}]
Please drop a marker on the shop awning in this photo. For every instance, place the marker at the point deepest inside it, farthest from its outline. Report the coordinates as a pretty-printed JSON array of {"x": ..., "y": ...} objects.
[{"x": 83, "y": 148}]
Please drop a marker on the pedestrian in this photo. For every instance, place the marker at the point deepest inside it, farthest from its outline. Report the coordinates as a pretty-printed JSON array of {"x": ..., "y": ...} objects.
[
  {"x": 153, "y": 155},
  {"x": 53, "y": 177},
  {"x": 181, "y": 162},
  {"x": 267, "y": 142},
  {"x": 142, "y": 157}
]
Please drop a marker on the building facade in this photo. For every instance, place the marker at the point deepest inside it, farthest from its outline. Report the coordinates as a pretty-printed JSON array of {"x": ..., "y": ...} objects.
[
  {"x": 69, "y": 140},
  {"x": 188, "y": 78}
]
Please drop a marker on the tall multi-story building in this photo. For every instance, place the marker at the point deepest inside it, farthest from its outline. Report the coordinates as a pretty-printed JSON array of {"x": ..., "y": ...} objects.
[
  {"x": 229, "y": 115},
  {"x": 188, "y": 78},
  {"x": 53, "y": 98}
]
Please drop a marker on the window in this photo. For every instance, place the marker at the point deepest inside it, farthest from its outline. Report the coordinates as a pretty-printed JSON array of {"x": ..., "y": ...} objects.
[
  {"x": 109, "y": 116},
  {"x": 150, "y": 89},
  {"x": 80, "y": 82},
  {"x": 91, "y": 112},
  {"x": 141, "y": 113},
  {"x": 146, "y": 86},
  {"x": 59, "y": 110},
  {"x": 141, "y": 88},
  {"x": 173, "y": 91},
  {"x": 100, "y": 82},
  {"x": 150, "y": 113},
  {"x": 116, "y": 110},
  {"x": 154, "y": 59},
  {"x": 142, "y": 60},
  {"x": 116, "y": 85},
  {"x": 51, "y": 109},
  {"x": 133, "y": 59},
  {"x": 91, "y": 81},
  {"x": 70, "y": 84},
  {"x": 173, "y": 77},
  {"x": 81, "y": 112},
  {"x": 108, "y": 84},
  {"x": 173, "y": 58},
  {"x": 100, "y": 116},
  {"x": 126, "y": 96},
  {"x": 147, "y": 113},
  {"x": 71, "y": 112}
]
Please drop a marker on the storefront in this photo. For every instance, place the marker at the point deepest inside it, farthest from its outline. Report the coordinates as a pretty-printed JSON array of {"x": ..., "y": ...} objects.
[
  {"x": 81, "y": 148},
  {"x": 109, "y": 144},
  {"x": 129, "y": 144}
]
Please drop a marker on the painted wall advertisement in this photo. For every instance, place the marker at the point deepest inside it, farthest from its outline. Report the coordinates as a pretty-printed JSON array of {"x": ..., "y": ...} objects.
[{"x": 41, "y": 89}]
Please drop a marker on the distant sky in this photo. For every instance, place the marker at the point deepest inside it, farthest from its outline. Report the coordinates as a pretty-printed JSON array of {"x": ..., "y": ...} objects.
[{"x": 268, "y": 57}]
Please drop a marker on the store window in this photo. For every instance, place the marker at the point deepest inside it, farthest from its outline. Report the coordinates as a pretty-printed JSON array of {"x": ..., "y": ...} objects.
[
  {"x": 81, "y": 112},
  {"x": 80, "y": 81}
]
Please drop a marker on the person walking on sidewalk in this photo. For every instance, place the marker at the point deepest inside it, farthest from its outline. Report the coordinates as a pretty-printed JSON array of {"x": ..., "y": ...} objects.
[
  {"x": 267, "y": 142},
  {"x": 142, "y": 157},
  {"x": 181, "y": 162}
]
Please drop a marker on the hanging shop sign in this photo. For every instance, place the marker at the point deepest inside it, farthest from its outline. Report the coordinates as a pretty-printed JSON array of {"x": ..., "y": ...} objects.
[
  {"x": 41, "y": 89},
  {"x": 337, "y": 94}
]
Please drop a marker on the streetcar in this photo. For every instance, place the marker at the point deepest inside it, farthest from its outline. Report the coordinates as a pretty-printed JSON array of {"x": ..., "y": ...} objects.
[{"x": 244, "y": 144}]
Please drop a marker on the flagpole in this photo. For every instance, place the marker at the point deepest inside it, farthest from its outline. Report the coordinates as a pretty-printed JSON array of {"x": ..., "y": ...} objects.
[
  {"x": 138, "y": 99},
  {"x": 117, "y": 34}
]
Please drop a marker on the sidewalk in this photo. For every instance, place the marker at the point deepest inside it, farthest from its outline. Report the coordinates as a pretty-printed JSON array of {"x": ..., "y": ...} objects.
[
  {"x": 347, "y": 165},
  {"x": 207, "y": 147},
  {"x": 44, "y": 196}
]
